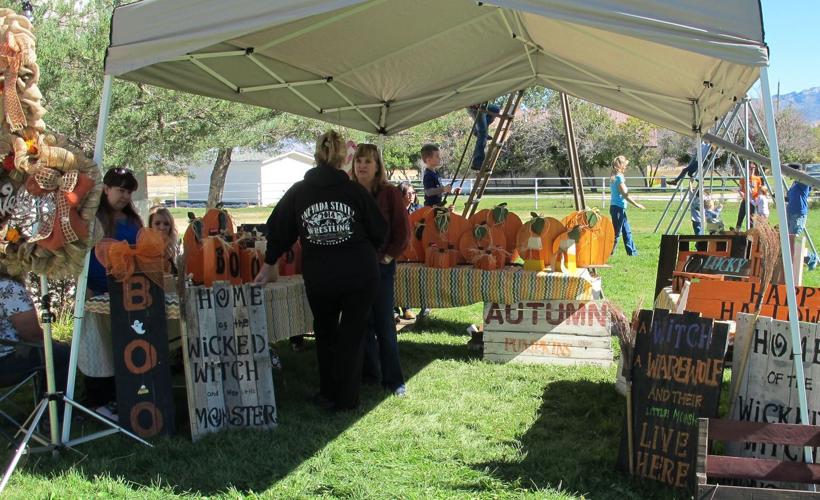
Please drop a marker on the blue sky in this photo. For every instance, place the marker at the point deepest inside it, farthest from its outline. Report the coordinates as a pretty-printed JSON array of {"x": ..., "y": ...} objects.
[{"x": 792, "y": 33}]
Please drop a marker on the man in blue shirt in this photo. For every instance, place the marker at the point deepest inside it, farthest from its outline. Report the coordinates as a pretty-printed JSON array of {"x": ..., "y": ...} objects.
[{"x": 797, "y": 209}]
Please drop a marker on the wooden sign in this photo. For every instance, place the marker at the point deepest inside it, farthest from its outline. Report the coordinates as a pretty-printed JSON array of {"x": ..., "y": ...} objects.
[
  {"x": 556, "y": 332},
  {"x": 717, "y": 265},
  {"x": 227, "y": 359},
  {"x": 677, "y": 372},
  {"x": 768, "y": 387},
  {"x": 725, "y": 300},
  {"x": 140, "y": 342},
  {"x": 675, "y": 249}
]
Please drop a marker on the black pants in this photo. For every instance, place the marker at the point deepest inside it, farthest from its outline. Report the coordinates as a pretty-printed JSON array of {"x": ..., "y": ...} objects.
[
  {"x": 340, "y": 318},
  {"x": 26, "y": 360},
  {"x": 741, "y": 215}
]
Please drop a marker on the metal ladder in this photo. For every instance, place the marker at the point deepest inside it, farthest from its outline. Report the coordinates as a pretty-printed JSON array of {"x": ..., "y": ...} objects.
[{"x": 494, "y": 147}]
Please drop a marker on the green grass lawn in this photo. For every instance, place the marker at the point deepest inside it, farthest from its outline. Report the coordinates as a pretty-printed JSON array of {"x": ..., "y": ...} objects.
[{"x": 467, "y": 429}]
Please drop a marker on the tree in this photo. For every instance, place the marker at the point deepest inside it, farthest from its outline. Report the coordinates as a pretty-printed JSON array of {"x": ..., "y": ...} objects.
[
  {"x": 150, "y": 128},
  {"x": 797, "y": 140}
]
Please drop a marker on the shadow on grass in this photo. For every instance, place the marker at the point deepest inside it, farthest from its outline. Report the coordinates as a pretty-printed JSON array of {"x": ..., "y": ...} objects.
[
  {"x": 244, "y": 460},
  {"x": 433, "y": 324},
  {"x": 573, "y": 445}
]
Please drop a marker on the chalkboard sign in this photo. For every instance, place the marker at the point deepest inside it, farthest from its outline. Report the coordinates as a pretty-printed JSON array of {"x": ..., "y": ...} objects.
[
  {"x": 717, "y": 265},
  {"x": 677, "y": 373},
  {"x": 140, "y": 344},
  {"x": 227, "y": 359}
]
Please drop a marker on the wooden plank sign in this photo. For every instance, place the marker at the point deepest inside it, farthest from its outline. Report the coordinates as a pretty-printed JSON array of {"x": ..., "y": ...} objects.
[
  {"x": 557, "y": 332},
  {"x": 677, "y": 372},
  {"x": 139, "y": 329},
  {"x": 227, "y": 359},
  {"x": 725, "y": 300},
  {"x": 768, "y": 386},
  {"x": 717, "y": 265}
]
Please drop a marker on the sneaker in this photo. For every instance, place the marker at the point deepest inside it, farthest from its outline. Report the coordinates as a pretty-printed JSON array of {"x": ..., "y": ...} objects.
[
  {"x": 673, "y": 182},
  {"x": 408, "y": 315},
  {"x": 108, "y": 411},
  {"x": 472, "y": 330},
  {"x": 400, "y": 391}
]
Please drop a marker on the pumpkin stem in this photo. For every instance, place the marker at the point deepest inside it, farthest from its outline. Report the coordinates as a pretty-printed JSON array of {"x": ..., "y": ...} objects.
[
  {"x": 480, "y": 231},
  {"x": 537, "y": 225},
  {"x": 442, "y": 219},
  {"x": 499, "y": 213}
]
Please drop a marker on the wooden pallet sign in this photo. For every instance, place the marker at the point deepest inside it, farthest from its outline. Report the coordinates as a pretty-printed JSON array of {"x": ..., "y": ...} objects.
[
  {"x": 768, "y": 387},
  {"x": 565, "y": 332},
  {"x": 725, "y": 300},
  {"x": 227, "y": 359},
  {"x": 140, "y": 343},
  {"x": 677, "y": 372}
]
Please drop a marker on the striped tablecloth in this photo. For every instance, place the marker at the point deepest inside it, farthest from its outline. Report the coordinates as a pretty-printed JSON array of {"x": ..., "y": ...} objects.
[
  {"x": 100, "y": 304},
  {"x": 288, "y": 311},
  {"x": 421, "y": 286}
]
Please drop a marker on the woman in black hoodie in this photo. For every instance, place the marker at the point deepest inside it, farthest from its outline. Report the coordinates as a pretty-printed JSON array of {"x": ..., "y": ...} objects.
[{"x": 340, "y": 228}]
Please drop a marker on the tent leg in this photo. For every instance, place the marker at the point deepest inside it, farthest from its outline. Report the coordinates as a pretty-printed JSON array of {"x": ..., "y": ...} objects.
[
  {"x": 82, "y": 280},
  {"x": 699, "y": 149},
  {"x": 785, "y": 253}
]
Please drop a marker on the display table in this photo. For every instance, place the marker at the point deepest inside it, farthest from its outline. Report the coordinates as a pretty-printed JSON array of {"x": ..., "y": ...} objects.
[
  {"x": 287, "y": 308},
  {"x": 420, "y": 286}
]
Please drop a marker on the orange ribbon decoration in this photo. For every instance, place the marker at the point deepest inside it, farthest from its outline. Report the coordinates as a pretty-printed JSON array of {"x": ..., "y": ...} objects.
[
  {"x": 57, "y": 186},
  {"x": 121, "y": 260},
  {"x": 10, "y": 51}
]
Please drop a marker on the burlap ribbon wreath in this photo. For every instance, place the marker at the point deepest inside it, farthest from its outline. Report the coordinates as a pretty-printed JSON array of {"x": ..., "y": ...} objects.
[
  {"x": 57, "y": 186},
  {"x": 10, "y": 51}
]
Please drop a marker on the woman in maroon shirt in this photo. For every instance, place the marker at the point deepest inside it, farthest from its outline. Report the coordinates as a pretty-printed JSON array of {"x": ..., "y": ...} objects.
[{"x": 382, "y": 348}]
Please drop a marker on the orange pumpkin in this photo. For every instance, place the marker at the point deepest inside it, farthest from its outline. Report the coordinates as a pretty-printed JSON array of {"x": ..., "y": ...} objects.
[
  {"x": 221, "y": 262},
  {"x": 483, "y": 238},
  {"x": 415, "y": 250},
  {"x": 443, "y": 228},
  {"x": 250, "y": 262},
  {"x": 441, "y": 257},
  {"x": 594, "y": 237},
  {"x": 290, "y": 262},
  {"x": 217, "y": 221},
  {"x": 534, "y": 241},
  {"x": 501, "y": 217},
  {"x": 192, "y": 246}
]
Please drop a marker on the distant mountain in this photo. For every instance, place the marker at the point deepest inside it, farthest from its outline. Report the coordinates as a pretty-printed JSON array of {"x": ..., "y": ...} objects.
[{"x": 806, "y": 101}]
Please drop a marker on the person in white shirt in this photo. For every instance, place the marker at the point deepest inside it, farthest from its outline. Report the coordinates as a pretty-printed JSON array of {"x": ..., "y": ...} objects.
[{"x": 762, "y": 202}]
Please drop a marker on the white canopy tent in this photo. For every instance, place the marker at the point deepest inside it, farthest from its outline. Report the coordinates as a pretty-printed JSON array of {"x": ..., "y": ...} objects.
[{"x": 385, "y": 65}]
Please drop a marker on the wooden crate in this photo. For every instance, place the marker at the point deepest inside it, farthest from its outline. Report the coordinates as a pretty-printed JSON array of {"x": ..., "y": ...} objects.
[
  {"x": 739, "y": 468},
  {"x": 563, "y": 332}
]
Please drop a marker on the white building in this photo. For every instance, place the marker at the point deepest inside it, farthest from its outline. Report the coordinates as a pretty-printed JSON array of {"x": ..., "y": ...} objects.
[{"x": 252, "y": 179}]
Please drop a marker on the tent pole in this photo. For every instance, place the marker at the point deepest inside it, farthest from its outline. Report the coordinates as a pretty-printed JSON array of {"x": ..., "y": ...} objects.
[
  {"x": 82, "y": 280},
  {"x": 786, "y": 254},
  {"x": 746, "y": 163},
  {"x": 698, "y": 141}
]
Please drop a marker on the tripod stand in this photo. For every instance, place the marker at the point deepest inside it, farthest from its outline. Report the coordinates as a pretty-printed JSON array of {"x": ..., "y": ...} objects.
[{"x": 50, "y": 400}]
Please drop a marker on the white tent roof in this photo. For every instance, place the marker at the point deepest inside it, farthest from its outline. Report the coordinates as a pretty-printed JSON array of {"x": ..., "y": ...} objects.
[{"x": 385, "y": 65}]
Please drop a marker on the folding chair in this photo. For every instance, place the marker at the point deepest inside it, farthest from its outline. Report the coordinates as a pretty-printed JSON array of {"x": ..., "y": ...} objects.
[{"x": 11, "y": 385}]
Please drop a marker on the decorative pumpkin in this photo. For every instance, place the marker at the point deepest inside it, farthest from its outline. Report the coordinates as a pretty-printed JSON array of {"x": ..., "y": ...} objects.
[
  {"x": 594, "y": 239},
  {"x": 484, "y": 243},
  {"x": 441, "y": 257},
  {"x": 508, "y": 221},
  {"x": 534, "y": 241},
  {"x": 415, "y": 250},
  {"x": 250, "y": 262},
  {"x": 192, "y": 248},
  {"x": 443, "y": 228},
  {"x": 217, "y": 221},
  {"x": 290, "y": 262}
]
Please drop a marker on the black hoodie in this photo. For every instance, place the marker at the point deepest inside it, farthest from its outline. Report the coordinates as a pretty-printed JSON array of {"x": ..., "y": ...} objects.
[{"x": 339, "y": 226}]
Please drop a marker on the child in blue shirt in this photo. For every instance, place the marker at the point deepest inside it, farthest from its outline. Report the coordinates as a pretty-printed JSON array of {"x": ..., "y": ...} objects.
[
  {"x": 617, "y": 205},
  {"x": 433, "y": 189}
]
